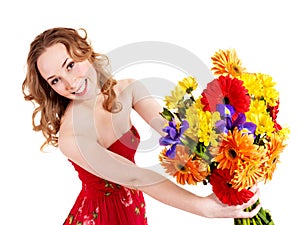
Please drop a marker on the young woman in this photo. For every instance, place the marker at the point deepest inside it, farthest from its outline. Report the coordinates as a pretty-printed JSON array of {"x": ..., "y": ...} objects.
[{"x": 86, "y": 113}]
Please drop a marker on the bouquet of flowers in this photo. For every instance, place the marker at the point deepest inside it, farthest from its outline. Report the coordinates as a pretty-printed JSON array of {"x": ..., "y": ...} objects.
[{"x": 227, "y": 136}]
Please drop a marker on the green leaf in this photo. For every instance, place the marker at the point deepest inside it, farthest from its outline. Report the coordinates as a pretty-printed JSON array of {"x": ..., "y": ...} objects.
[{"x": 167, "y": 114}]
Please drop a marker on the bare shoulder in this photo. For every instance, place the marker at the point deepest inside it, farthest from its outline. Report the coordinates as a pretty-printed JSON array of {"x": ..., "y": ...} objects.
[
  {"x": 77, "y": 123},
  {"x": 134, "y": 86},
  {"x": 124, "y": 84},
  {"x": 76, "y": 116}
]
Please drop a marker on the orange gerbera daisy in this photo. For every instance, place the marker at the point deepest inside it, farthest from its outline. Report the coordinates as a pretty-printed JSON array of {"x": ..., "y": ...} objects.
[
  {"x": 184, "y": 166},
  {"x": 235, "y": 146},
  {"x": 274, "y": 148},
  {"x": 226, "y": 62},
  {"x": 247, "y": 174}
]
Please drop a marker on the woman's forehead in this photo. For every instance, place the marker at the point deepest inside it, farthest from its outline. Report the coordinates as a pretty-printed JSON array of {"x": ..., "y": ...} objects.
[{"x": 52, "y": 59}]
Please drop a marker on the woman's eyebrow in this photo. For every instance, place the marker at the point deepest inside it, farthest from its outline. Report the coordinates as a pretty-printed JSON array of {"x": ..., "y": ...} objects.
[{"x": 64, "y": 63}]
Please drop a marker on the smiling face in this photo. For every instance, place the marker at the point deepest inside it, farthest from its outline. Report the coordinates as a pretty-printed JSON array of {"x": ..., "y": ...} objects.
[{"x": 70, "y": 79}]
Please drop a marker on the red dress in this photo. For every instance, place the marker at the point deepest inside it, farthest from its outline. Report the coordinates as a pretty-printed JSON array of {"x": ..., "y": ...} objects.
[{"x": 101, "y": 202}]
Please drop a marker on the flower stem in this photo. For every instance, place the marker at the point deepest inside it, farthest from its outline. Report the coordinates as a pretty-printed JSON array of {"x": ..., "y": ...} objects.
[{"x": 263, "y": 217}]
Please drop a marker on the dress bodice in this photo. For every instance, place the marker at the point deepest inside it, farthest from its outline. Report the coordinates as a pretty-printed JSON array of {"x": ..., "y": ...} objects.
[{"x": 125, "y": 146}]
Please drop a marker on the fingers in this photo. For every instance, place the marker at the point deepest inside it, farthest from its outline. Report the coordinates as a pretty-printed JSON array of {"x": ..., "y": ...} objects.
[
  {"x": 253, "y": 212},
  {"x": 250, "y": 214}
]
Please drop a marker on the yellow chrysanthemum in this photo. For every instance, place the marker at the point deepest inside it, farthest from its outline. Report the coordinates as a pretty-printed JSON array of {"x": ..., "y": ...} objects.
[
  {"x": 247, "y": 174},
  {"x": 198, "y": 103},
  {"x": 261, "y": 86},
  {"x": 214, "y": 138},
  {"x": 188, "y": 84},
  {"x": 264, "y": 122},
  {"x": 252, "y": 84},
  {"x": 226, "y": 62},
  {"x": 271, "y": 96},
  {"x": 235, "y": 146},
  {"x": 206, "y": 124},
  {"x": 275, "y": 147},
  {"x": 186, "y": 168},
  {"x": 269, "y": 93},
  {"x": 201, "y": 124},
  {"x": 284, "y": 133},
  {"x": 176, "y": 97},
  {"x": 192, "y": 118},
  {"x": 258, "y": 106}
]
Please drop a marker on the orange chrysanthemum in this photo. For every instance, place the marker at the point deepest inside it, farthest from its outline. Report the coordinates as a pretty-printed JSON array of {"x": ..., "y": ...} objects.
[
  {"x": 185, "y": 167},
  {"x": 235, "y": 146},
  {"x": 227, "y": 63},
  {"x": 274, "y": 148}
]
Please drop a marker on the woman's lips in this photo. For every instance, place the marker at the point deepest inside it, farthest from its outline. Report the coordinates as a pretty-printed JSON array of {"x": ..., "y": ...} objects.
[{"x": 82, "y": 90}]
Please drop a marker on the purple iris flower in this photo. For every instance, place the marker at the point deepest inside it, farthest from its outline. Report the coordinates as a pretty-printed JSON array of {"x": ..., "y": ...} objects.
[
  {"x": 227, "y": 123},
  {"x": 241, "y": 124},
  {"x": 173, "y": 136},
  {"x": 226, "y": 111}
]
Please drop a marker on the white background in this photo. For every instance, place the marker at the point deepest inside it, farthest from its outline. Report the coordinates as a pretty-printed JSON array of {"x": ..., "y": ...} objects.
[{"x": 40, "y": 188}]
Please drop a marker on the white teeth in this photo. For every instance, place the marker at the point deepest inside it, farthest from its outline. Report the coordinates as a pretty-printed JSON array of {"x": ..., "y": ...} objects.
[{"x": 81, "y": 89}]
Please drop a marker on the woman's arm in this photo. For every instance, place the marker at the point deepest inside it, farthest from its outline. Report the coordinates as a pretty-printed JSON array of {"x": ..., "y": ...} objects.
[
  {"x": 209, "y": 206},
  {"x": 145, "y": 104},
  {"x": 88, "y": 154}
]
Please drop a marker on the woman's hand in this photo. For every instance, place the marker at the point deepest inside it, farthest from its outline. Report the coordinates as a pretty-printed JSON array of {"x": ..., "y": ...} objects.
[{"x": 214, "y": 208}]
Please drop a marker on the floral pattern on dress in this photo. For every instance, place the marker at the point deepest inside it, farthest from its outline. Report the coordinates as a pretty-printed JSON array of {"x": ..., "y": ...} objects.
[{"x": 127, "y": 199}]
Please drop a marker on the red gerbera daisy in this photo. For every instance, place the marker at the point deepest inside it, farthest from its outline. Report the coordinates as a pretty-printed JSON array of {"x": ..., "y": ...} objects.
[
  {"x": 221, "y": 186},
  {"x": 226, "y": 90}
]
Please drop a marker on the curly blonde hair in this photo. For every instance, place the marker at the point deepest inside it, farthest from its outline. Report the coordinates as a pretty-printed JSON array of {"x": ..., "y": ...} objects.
[{"x": 50, "y": 105}]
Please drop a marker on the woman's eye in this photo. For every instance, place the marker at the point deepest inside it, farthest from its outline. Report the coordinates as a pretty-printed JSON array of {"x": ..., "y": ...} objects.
[
  {"x": 70, "y": 65},
  {"x": 54, "y": 81}
]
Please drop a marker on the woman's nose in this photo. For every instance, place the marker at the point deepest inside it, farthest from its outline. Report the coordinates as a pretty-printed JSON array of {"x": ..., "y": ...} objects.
[{"x": 71, "y": 82}]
